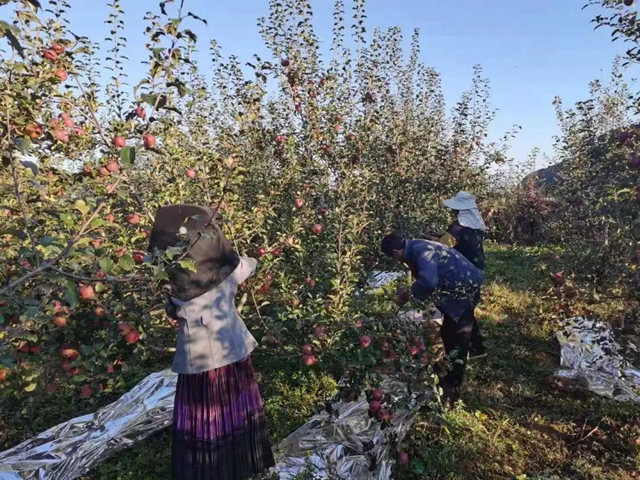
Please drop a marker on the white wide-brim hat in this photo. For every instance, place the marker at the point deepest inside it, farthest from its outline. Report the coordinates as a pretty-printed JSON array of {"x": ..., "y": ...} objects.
[{"x": 462, "y": 201}]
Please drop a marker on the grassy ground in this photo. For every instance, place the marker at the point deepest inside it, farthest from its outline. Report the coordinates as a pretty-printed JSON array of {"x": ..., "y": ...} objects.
[{"x": 515, "y": 421}]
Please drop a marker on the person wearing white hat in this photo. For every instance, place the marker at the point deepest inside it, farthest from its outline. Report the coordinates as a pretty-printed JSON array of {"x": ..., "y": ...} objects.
[{"x": 466, "y": 234}]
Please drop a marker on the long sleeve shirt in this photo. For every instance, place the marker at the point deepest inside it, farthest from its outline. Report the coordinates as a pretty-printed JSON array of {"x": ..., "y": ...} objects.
[{"x": 444, "y": 274}]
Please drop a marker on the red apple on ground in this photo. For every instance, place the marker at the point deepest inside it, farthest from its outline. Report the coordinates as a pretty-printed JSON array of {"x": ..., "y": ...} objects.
[
  {"x": 86, "y": 292},
  {"x": 138, "y": 258},
  {"x": 100, "y": 311},
  {"x": 148, "y": 140},
  {"x": 414, "y": 350},
  {"x": 60, "y": 321},
  {"x": 403, "y": 457},
  {"x": 307, "y": 349},
  {"x": 3, "y": 374},
  {"x": 141, "y": 112},
  {"x": 299, "y": 203},
  {"x": 191, "y": 173},
  {"x": 323, "y": 211},
  {"x": 277, "y": 252},
  {"x": 375, "y": 406},
  {"x": 119, "y": 142},
  {"x": 132, "y": 337},
  {"x": 365, "y": 341},
  {"x": 359, "y": 323},
  {"x": 261, "y": 252},
  {"x": 133, "y": 219},
  {"x": 110, "y": 218},
  {"x": 317, "y": 229},
  {"x": 311, "y": 283},
  {"x": 308, "y": 360}
]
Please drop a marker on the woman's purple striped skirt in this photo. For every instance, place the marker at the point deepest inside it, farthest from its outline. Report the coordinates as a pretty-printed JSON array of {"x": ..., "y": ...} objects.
[{"x": 219, "y": 425}]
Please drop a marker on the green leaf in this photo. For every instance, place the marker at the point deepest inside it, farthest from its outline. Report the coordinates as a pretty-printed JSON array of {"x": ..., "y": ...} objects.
[
  {"x": 79, "y": 378},
  {"x": 106, "y": 264},
  {"x": 10, "y": 31},
  {"x": 126, "y": 263},
  {"x": 83, "y": 242},
  {"x": 71, "y": 294},
  {"x": 81, "y": 206},
  {"x": 30, "y": 165},
  {"x": 1, "y": 319},
  {"x": 35, "y": 4},
  {"x": 188, "y": 264},
  {"x": 192, "y": 15},
  {"x": 7, "y": 361},
  {"x": 128, "y": 156},
  {"x": 149, "y": 99},
  {"x": 30, "y": 388},
  {"x": 181, "y": 87},
  {"x": 67, "y": 219},
  {"x": 23, "y": 144}
]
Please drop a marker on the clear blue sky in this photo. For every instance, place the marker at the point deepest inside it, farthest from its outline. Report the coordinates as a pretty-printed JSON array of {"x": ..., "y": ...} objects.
[{"x": 531, "y": 50}]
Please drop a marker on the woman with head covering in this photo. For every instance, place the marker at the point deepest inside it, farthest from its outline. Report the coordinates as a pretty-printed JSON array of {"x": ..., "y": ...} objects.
[
  {"x": 466, "y": 234},
  {"x": 219, "y": 425}
]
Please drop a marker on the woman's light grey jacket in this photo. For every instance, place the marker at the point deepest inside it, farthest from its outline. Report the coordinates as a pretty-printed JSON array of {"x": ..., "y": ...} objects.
[{"x": 211, "y": 333}]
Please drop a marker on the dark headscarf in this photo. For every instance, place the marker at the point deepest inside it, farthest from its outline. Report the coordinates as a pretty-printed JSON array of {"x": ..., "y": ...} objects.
[{"x": 213, "y": 254}]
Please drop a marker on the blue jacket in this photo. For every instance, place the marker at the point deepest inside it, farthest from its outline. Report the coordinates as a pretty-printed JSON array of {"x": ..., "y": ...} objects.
[{"x": 444, "y": 274}]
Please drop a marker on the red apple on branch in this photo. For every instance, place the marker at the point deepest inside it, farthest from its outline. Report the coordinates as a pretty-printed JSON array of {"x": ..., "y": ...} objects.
[
  {"x": 308, "y": 360},
  {"x": 132, "y": 337},
  {"x": 149, "y": 140},
  {"x": 62, "y": 74},
  {"x": 86, "y": 292},
  {"x": 119, "y": 142}
]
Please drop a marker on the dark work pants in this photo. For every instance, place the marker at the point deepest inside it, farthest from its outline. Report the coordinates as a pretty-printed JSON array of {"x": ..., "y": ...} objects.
[{"x": 456, "y": 337}]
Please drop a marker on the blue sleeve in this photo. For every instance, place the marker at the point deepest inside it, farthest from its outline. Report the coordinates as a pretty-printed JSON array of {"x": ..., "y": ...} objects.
[{"x": 427, "y": 280}]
